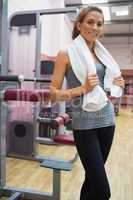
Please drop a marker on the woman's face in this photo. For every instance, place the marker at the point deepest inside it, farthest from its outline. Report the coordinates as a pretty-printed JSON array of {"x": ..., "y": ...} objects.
[{"x": 92, "y": 26}]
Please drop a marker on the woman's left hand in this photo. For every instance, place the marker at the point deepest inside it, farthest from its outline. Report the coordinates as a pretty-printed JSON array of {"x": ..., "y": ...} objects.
[{"x": 119, "y": 81}]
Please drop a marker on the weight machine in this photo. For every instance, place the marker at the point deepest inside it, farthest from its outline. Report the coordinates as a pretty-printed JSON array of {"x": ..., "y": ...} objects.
[
  {"x": 57, "y": 166},
  {"x": 32, "y": 18},
  {"x": 19, "y": 137}
]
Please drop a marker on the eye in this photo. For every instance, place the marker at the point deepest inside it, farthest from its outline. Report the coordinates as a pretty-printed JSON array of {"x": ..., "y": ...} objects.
[
  {"x": 90, "y": 22},
  {"x": 99, "y": 24}
]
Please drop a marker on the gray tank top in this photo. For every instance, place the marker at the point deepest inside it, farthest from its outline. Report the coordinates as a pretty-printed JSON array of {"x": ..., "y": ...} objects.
[{"x": 89, "y": 120}]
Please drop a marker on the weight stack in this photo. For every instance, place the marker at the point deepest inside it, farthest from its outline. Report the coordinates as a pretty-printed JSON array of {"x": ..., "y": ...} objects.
[{"x": 21, "y": 139}]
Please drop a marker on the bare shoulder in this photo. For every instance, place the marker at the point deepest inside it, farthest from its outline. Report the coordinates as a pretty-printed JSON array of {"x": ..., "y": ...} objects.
[
  {"x": 60, "y": 67},
  {"x": 62, "y": 56}
]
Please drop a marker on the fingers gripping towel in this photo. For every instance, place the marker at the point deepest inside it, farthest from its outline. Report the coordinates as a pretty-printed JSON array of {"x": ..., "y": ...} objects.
[{"x": 82, "y": 64}]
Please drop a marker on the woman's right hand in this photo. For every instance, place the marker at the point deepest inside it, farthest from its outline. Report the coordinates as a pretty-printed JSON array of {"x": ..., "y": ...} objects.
[{"x": 91, "y": 81}]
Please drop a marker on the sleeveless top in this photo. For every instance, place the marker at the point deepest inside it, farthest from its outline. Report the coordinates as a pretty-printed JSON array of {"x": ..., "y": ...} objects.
[{"x": 89, "y": 120}]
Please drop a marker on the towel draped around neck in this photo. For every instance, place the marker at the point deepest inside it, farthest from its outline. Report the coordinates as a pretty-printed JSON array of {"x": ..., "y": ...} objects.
[{"x": 83, "y": 64}]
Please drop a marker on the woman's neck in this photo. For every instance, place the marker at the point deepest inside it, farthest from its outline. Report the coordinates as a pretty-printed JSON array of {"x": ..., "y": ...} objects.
[{"x": 91, "y": 45}]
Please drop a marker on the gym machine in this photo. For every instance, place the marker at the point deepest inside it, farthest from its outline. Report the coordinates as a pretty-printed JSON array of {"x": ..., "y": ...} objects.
[
  {"x": 57, "y": 166},
  {"x": 19, "y": 137},
  {"x": 25, "y": 18}
]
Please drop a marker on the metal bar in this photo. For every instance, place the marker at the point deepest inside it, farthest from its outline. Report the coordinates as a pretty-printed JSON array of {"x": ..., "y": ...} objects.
[
  {"x": 4, "y": 41},
  {"x": 118, "y": 34},
  {"x": 15, "y": 196},
  {"x": 38, "y": 48},
  {"x": 29, "y": 194},
  {"x": 58, "y": 11},
  {"x": 44, "y": 12},
  {"x": 39, "y": 80},
  {"x": 109, "y": 3},
  {"x": 9, "y": 78},
  {"x": 15, "y": 78},
  {"x": 42, "y": 140},
  {"x": 2, "y": 145},
  {"x": 118, "y": 21},
  {"x": 3, "y": 50},
  {"x": 56, "y": 184}
]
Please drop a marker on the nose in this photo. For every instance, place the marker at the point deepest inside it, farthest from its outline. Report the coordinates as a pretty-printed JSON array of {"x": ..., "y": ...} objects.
[{"x": 95, "y": 26}]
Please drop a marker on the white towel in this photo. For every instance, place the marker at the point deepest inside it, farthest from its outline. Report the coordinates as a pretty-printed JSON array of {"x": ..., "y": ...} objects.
[{"x": 82, "y": 64}]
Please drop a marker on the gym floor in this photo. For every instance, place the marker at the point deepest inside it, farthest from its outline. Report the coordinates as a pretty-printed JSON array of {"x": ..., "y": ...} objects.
[{"x": 28, "y": 174}]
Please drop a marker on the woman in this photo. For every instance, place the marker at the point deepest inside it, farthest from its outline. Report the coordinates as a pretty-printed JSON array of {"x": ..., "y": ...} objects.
[{"x": 93, "y": 131}]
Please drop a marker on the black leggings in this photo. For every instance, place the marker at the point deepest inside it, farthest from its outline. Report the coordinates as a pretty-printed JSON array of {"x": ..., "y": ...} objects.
[{"x": 93, "y": 147}]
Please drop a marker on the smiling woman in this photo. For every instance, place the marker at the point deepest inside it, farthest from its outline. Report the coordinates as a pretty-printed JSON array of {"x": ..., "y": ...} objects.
[
  {"x": 90, "y": 25},
  {"x": 85, "y": 64}
]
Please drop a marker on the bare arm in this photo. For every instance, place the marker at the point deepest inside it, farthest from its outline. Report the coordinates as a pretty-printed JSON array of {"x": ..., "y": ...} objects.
[{"x": 58, "y": 94}]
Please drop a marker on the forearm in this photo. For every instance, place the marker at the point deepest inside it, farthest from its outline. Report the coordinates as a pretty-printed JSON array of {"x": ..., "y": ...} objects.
[{"x": 66, "y": 94}]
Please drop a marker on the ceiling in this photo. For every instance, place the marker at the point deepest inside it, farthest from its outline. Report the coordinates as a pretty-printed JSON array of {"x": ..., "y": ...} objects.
[{"x": 118, "y": 25}]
